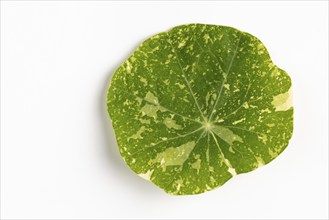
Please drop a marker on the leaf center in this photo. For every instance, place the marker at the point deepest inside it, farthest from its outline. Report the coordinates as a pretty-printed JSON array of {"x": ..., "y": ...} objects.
[{"x": 207, "y": 125}]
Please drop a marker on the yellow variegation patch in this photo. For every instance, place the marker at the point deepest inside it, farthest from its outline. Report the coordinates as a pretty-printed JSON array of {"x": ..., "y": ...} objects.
[{"x": 196, "y": 105}]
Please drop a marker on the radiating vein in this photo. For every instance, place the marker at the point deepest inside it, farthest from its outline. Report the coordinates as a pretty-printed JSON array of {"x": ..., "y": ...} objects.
[
  {"x": 231, "y": 146},
  {"x": 220, "y": 69},
  {"x": 243, "y": 103},
  {"x": 173, "y": 179},
  {"x": 221, "y": 152},
  {"x": 244, "y": 129},
  {"x": 164, "y": 108},
  {"x": 166, "y": 140},
  {"x": 233, "y": 112},
  {"x": 185, "y": 78},
  {"x": 232, "y": 99},
  {"x": 225, "y": 79},
  {"x": 212, "y": 53},
  {"x": 252, "y": 101}
]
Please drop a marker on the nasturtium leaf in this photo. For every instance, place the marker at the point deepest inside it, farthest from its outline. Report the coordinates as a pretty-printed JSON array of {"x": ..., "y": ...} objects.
[{"x": 196, "y": 105}]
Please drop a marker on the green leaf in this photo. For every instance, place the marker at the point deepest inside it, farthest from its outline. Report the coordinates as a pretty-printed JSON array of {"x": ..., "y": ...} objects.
[{"x": 199, "y": 104}]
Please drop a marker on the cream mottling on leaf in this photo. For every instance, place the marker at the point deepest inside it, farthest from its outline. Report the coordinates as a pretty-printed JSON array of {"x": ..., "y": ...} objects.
[
  {"x": 170, "y": 123},
  {"x": 150, "y": 97},
  {"x": 260, "y": 161},
  {"x": 145, "y": 121},
  {"x": 197, "y": 164},
  {"x": 181, "y": 86},
  {"x": 150, "y": 110},
  {"x": 263, "y": 138},
  {"x": 144, "y": 81},
  {"x": 283, "y": 102},
  {"x": 138, "y": 134},
  {"x": 272, "y": 153},
  {"x": 146, "y": 175},
  {"x": 173, "y": 156},
  {"x": 196, "y": 105},
  {"x": 232, "y": 171},
  {"x": 226, "y": 134},
  {"x": 238, "y": 121}
]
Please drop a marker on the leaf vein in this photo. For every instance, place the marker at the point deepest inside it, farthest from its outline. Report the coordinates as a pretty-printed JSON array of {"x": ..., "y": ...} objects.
[
  {"x": 185, "y": 78},
  {"x": 169, "y": 139},
  {"x": 225, "y": 79},
  {"x": 173, "y": 179},
  {"x": 164, "y": 108}
]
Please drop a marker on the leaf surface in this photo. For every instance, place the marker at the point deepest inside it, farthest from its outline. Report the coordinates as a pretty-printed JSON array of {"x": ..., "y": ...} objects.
[{"x": 199, "y": 104}]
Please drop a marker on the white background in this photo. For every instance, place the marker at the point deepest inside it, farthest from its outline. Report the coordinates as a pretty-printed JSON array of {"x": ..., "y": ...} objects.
[{"x": 59, "y": 157}]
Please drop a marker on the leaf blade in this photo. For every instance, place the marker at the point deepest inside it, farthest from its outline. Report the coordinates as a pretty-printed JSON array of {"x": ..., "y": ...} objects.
[{"x": 198, "y": 104}]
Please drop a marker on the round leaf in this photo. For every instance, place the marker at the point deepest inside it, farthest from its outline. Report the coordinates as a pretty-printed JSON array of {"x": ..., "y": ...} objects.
[{"x": 199, "y": 104}]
